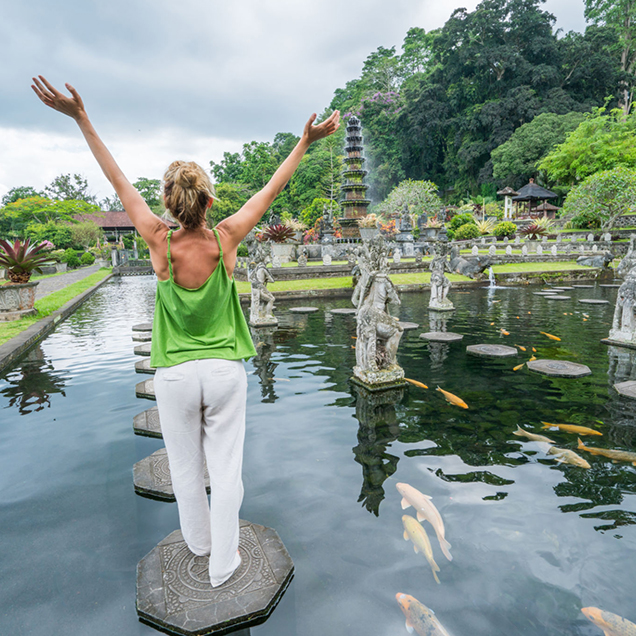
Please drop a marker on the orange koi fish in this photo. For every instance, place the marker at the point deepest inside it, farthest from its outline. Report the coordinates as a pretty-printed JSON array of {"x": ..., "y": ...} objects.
[
  {"x": 504, "y": 332},
  {"x": 453, "y": 399},
  {"x": 519, "y": 366},
  {"x": 611, "y": 624},
  {"x": 533, "y": 358},
  {"x": 549, "y": 335},
  {"x": 572, "y": 428},
  {"x": 614, "y": 455},
  {"x": 416, "y": 383},
  {"x": 520, "y": 347}
]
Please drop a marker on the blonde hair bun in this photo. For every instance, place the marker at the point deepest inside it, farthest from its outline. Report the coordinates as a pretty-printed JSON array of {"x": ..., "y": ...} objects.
[{"x": 187, "y": 191}]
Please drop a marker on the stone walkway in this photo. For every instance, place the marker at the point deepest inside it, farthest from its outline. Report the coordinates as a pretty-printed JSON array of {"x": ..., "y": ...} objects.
[{"x": 55, "y": 283}]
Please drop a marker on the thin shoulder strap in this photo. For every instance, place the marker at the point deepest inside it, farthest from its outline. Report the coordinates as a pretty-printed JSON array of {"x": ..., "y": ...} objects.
[
  {"x": 169, "y": 259},
  {"x": 216, "y": 233}
]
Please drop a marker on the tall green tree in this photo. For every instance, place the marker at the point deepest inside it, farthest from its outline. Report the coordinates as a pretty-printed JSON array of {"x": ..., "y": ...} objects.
[
  {"x": 231, "y": 197},
  {"x": 150, "y": 190},
  {"x": 65, "y": 187},
  {"x": 19, "y": 192}
]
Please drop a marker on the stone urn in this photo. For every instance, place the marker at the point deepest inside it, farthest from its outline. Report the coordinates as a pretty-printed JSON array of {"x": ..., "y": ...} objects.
[
  {"x": 17, "y": 300},
  {"x": 282, "y": 252},
  {"x": 367, "y": 233},
  {"x": 430, "y": 232}
]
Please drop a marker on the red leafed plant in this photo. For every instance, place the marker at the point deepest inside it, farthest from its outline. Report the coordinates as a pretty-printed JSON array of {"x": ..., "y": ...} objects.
[
  {"x": 21, "y": 260},
  {"x": 533, "y": 232},
  {"x": 278, "y": 233}
]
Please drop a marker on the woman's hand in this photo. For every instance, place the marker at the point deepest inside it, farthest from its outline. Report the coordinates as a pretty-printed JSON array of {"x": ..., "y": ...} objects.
[
  {"x": 49, "y": 95},
  {"x": 328, "y": 127}
]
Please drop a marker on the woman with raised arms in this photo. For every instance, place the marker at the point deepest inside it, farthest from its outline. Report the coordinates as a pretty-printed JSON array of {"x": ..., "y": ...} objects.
[{"x": 199, "y": 333}]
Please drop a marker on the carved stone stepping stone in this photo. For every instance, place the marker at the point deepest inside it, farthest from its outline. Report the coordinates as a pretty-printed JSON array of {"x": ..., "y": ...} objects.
[
  {"x": 441, "y": 336},
  {"x": 151, "y": 477},
  {"x": 627, "y": 389},
  {"x": 593, "y": 301},
  {"x": 343, "y": 310},
  {"x": 143, "y": 326},
  {"x": 143, "y": 349},
  {"x": 408, "y": 325},
  {"x": 143, "y": 366},
  {"x": 147, "y": 423},
  {"x": 145, "y": 389},
  {"x": 490, "y": 350},
  {"x": 557, "y": 297},
  {"x": 559, "y": 368},
  {"x": 612, "y": 285},
  {"x": 142, "y": 336},
  {"x": 583, "y": 286},
  {"x": 174, "y": 592},
  {"x": 303, "y": 310}
]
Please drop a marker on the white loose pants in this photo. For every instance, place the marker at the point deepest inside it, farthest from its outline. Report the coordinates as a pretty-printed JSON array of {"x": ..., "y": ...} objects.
[{"x": 202, "y": 412}]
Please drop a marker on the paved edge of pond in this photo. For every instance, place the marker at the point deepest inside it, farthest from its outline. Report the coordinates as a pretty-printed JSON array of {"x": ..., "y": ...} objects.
[{"x": 11, "y": 350}]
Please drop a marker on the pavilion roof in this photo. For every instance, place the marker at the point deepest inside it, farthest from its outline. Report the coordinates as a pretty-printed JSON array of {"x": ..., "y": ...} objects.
[
  {"x": 546, "y": 207},
  {"x": 507, "y": 191},
  {"x": 534, "y": 191}
]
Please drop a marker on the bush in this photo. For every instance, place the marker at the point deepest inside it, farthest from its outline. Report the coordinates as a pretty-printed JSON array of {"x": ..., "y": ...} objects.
[
  {"x": 87, "y": 258},
  {"x": 586, "y": 220},
  {"x": 505, "y": 228},
  {"x": 466, "y": 231},
  {"x": 460, "y": 219},
  {"x": 241, "y": 250},
  {"x": 71, "y": 258}
]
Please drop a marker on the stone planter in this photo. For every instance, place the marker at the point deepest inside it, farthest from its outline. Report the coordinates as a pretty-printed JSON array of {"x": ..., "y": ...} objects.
[
  {"x": 367, "y": 233},
  {"x": 16, "y": 301},
  {"x": 430, "y": 232},
  {"x": 298, "y": 236},
  {"x": 282, "y": 252},
  {"x": 102, "y": 262},
  {"x": 55, "y": 268}
]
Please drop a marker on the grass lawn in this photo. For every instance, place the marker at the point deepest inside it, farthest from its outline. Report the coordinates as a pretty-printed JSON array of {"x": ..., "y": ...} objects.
[
  {"x": 51, "y": 303},
  {"x": 537, "y": 267}
]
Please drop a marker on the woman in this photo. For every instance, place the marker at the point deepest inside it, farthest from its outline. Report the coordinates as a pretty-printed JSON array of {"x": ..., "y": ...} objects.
[{"x": 199, "y": 335}]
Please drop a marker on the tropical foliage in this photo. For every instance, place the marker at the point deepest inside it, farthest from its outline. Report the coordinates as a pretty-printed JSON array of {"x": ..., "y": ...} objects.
[
  {"x": 466, "y": 231},
  {"x": 22, "y": 259},
  {"x": 505, "y": 228}
]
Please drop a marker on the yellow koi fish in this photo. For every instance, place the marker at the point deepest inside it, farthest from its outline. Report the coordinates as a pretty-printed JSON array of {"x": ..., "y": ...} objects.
[
  {"x": 549, "y": 335},
  {"x": 532, "y": 359},
  {"x": 453, "y": 399},
  {"x": 611, "y": 624},
  {"x": 492, "y": 323},
  {"x": 572, "y": 428},
  {"x": 504, "y": 332},
  {"x": 614, "y": 455},
  {"x": 416, "y": 383},
  {"x": 414, "y": 532},
  {"x": 565, "y": 456},
  {"x": 425, "y": 510},
  {"x": 533, "y": 437},
  {"x": 519, "y": 366},
  {"x": 520, "y": 347},
  {"x": 534, "y": 350},
  {"x": 419, "y": 618}
]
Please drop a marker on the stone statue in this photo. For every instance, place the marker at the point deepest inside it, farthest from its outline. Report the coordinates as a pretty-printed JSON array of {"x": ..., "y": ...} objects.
[
  {"x": 599, "y": 259},
  {"x": 440, "y": 285},
  {"x": 326, "y": 225},
  {"x": 378, "y": 333},
  {"x": 262, "y": 301},
  {"x": 629, "y": 260},
  {"x": 624, "y": 324},
  {"x": 468, "y": 267},
  {"x": 302, "y": 256}
]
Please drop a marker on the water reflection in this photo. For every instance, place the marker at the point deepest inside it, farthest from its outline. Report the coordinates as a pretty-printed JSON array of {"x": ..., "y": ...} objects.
[
  {"x": 264, "y": 368},
  {"x": 31, "y": 384},
  {"x": 375, "y": 412},
  {"x": 438, "y": 321}
]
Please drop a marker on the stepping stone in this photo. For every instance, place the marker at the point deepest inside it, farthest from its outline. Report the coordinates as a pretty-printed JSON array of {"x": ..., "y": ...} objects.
[
  {"x": 143, "y": 366},
  {"x": 303, "y": 310},
  {"x": 613, "y": 285},
  {"x": 143, "y": 326},
  {"x": 343, "y": 310},
  {"x": 495, "y": 351},
  {"x": 144, "y": 336},
  {"x": 557, "y": 297},
  {"x": 151, "y": 477},
  {"x": 593, "y": 301},
  {"x": 544, "y": 293},
  {"x": 145, "y": 389},
  {"x": 627, "y": 389},
  {"x": 174, "y": 592},
  {"x": 559, "y": 368},
  {"x": 143, "y": 349},
  {"x": 147, "y": 423},
  {"x": 408, "y": 325},
  {"x": 583, "y": 286},
  {"x": 441, "y": 336},
  {"x": 563, "y": 288}
]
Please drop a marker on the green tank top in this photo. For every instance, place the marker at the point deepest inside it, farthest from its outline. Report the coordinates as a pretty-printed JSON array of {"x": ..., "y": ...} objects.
[{"x": 194, "y": 324}]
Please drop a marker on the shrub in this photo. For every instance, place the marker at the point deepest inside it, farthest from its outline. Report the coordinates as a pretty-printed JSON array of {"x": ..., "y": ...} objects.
[
  {"x": 505, "y": 228},
  {"x": 278, "y": 233},
  {"x": 533, "y": 231},
  {"x": 71, "y": 258},
  {"x": 22, "y": 259},
  {"x": 466, "y": 231},
  {"x": 460, "y": 219},
  {"x": 485, "y": 227},
  {"x": 128, "y": 241},
  {"x": 241, "y": 250},
  {"x": 87, "y": 258},
  {"x": 586, "y": 220}
]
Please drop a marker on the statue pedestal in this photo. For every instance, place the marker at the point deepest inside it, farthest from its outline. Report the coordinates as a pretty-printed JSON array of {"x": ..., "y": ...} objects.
[
  {"x": 619, "y": 338},
  {"x": 390, "y": 378},
  {"x": 265, "y": 323},
  {"x": 441, "y": 305}
]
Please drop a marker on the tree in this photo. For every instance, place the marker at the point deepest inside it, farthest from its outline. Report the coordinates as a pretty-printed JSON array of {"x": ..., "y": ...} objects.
[
  {"x": 230, "y": 168},
  {"x": 65, "y": 187},
  {"x": 316, "y": 209},
  {"x": 58, "y": 233},
  {"x": 231, "y": 198},
  {"x": 416, "y": 52},
  {"x": 419, "y": 196},
  {"x": 601, "y": 142},
  {"x": 515, "y": 161},
  {"x": 620, "y": 15},
  {"x": 20, "y": 192},
  {"x": 608, "y": 194},
  {"x": 111, "y": 203},
  {"x": 150, "y": 190},
  {"x": 86, "y": 233}
]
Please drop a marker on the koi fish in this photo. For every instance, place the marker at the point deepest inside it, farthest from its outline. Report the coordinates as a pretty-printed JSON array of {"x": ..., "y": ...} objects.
[
  {"x": 532, "y": 359},
  {"x": 425, "y": 510},
  {"x": 565, "y": 456},
  {"x": 534, "y": 350},
  {"x": 611, "y": 624},
  {"x": 504, "y": 332},
  {"x": 492, "y": 323},
  {"x": 520, "y": 347},
  {"x": 614, "y": 455},
  {"x": 572, "y": 428},
  {"x": 586, "y": 315},
  {"x": 584, "y": 319},
  {"x": 453, "y": 399},
  {"x": 416, "y": 383},
  {"x": 549, "y": 335},
  {"x": 519, "y": 366},
  {"x": 533, "y": 437},
  {"x": 354, "y": 337},
  {"x": 419, "y": 618},
  {"x": 414, "y": 532}
]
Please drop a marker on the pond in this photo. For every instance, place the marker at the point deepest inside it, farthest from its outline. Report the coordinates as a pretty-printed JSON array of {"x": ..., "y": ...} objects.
[{"x": 533, "y": 540}]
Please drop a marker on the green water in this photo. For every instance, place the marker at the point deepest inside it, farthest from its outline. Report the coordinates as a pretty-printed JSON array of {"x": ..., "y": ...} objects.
[{"x": 533, "y": 541}]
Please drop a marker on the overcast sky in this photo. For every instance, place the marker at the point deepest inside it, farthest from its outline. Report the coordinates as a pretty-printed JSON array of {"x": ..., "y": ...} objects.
[{"x": 187, "y": 79}]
